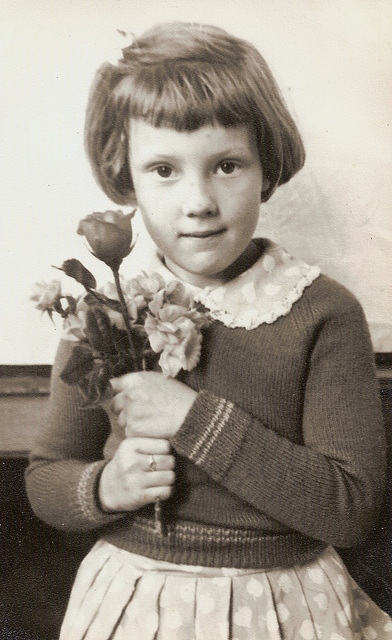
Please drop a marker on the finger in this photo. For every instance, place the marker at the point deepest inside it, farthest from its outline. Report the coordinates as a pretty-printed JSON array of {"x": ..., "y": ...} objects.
[
  {"x": 150, "y": 494},
  {"x": 115, "y": 385},
  {"x": 151, "y": 446},
  {"x": 119, "y": 401},
  {"x": 159, "y": 478},
  {"x": 121, "y": 419},
  {"x": 125, "y": 382},
  {"x": 160, "y": 462}
]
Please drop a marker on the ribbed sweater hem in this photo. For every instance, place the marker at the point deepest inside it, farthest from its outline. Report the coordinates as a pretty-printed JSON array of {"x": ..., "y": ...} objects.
[{"x": 214, "y": 546}]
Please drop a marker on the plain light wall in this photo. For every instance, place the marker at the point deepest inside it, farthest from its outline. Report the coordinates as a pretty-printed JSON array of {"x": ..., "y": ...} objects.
[{"x": 333, "y": 61}]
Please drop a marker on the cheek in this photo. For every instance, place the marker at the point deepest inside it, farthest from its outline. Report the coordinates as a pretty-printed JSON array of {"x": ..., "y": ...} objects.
[
  {"x": 248, "y": 192},
  {"x": 248, "y": 220},
  {"x": 247, "y": 205},
  {"x": 158, "y": 227},
  {"x": 149, "y": 222}
]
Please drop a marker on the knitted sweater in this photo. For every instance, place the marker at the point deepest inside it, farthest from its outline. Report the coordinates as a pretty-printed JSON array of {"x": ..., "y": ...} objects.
[{"x": 281, "y": 453}]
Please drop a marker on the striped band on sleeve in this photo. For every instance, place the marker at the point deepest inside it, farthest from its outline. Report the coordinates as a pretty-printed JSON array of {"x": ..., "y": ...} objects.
[
  {"x": 214, "y": 428},
  {"x": 212, "y": 433}
]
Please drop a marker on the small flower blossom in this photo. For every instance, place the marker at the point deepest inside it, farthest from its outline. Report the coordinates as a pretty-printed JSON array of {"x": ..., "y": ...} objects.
[
  {"x": 134, "y": 305},
  {"x": 75, "y": 323},
  {"x": 177, "y": 337},
  {"x": 110, "y": 291},
  {"x": 185, "y": 353},
  {"x": 165, "y": 308},
  {"x": 47, "y": 295},
  {"x": 176, "y": 294},
  {"x": 73, "y": 328},
  {"x": 135, "y": 300},
  {"x": 147, "y": 285}
]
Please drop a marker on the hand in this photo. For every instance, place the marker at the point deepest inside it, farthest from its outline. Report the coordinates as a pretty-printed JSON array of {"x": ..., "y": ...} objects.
[
  {"x": 127, "y": 481},
  {"x": 150, "y": 405}
]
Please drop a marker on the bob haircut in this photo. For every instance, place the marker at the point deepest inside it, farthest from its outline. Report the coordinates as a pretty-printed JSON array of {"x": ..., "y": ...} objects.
[{"x": 186, "y": 76}]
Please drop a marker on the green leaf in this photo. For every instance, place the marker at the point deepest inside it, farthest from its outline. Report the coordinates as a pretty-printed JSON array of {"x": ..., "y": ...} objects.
[
  {"x": 92, "y": 297},
  {"x": 76, "y": 270},
  {"x": 93, "y": 386},
  {"x": 71, "y": 304},
  {"x": 80, "y": 363},
  {"x": 99, "y": 331}
]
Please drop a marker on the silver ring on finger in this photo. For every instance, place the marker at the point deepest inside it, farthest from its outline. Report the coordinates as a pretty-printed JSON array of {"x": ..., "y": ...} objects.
[{"x": 152, "y": 464}]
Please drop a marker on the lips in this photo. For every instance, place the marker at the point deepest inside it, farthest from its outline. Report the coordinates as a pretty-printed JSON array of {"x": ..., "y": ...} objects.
[{"x": 208, "y": 233}]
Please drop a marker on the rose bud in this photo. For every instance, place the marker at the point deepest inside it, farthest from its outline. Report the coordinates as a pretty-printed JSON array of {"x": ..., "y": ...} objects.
[{"x": 109, "y": 235}]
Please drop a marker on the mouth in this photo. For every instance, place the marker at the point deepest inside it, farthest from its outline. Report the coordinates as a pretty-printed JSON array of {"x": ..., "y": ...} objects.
[{"x": 203, "y": 234}]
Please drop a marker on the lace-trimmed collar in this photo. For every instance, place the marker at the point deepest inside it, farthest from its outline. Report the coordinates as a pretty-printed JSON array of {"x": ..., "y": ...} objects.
[{"x": 262, "y": 294}]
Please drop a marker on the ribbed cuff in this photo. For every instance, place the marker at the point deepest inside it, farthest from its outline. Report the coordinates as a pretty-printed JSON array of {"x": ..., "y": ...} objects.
[
  {"x": 87, "y": 496},
  {"x": 212, "y": 433}
]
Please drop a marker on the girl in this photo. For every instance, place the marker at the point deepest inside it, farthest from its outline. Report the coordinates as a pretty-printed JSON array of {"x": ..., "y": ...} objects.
[{"x": 272, "y": 449}]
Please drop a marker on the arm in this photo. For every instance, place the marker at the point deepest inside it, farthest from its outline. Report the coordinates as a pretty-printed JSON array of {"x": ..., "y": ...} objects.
[
  {"x": 67, "y": 459},
  {"x": 69, "y": 483},
  {"x": 327, "y": 487}
]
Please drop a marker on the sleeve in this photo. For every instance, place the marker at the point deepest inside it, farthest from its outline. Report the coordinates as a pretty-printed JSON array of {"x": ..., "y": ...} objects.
[
  {"x": 67, "y": 459},
  {"x": 329, "y": 487}
]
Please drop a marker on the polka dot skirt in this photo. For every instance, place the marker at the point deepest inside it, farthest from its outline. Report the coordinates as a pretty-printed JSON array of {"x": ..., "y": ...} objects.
[{"x": 122, "y": 596}]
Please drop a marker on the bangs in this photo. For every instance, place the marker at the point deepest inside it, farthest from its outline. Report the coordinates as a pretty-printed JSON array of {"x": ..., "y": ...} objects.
[
  {"x": 186, "y": 97},
  {"x": 184, "y": 77}
]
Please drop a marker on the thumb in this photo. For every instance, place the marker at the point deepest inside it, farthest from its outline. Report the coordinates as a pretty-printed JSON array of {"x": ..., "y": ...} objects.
[{"x": 125, "y": 382}]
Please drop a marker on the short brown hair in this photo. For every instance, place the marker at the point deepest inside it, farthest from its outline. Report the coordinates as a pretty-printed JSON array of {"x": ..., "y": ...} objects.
[{"x": 186, "y": 76}]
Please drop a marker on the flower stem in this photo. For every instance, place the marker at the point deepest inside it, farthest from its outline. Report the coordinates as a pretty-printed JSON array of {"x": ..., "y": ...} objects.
[
  {"x": 158, "y": 516},
  {"x": 124, "y": 312}
]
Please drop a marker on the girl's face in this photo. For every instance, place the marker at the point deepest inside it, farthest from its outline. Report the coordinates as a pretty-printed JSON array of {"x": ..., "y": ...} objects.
[{"x": 199, "y": 194}]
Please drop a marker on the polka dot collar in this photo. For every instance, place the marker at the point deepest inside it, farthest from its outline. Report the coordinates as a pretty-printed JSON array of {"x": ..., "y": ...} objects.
[{"x": 262, "y": 294}]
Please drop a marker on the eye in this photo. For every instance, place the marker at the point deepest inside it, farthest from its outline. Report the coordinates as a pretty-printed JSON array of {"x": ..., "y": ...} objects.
[
  {"x": 164, "y": 171},
  {"x": 228, "y": 166}
]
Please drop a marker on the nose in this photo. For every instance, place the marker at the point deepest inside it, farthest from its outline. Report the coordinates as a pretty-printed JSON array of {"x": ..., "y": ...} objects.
[{"x": 198, "y": 199}]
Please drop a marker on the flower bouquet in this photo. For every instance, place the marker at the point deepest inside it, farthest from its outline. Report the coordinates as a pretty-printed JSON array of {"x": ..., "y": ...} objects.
[{"x": 128, "y": 325}]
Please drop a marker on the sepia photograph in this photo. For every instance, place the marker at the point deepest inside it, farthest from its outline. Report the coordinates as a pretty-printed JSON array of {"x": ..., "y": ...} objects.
[{"x": 196, "y": 354}]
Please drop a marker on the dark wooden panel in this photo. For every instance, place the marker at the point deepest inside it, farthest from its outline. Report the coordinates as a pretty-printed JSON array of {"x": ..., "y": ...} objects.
[
  {"x": 24, "y": 396},
  {"x": 38, "y": 563},
  {"x": 20, "y": 419}
]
